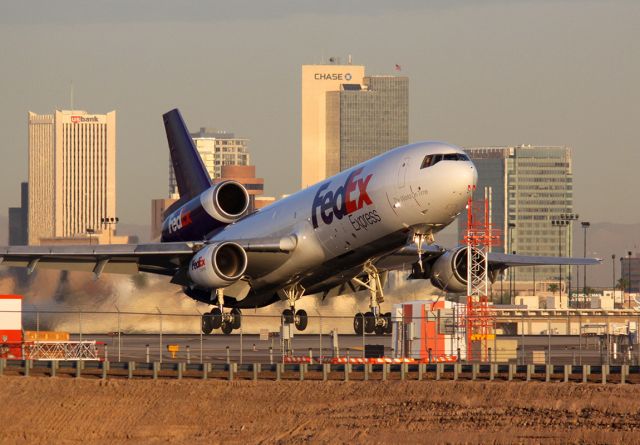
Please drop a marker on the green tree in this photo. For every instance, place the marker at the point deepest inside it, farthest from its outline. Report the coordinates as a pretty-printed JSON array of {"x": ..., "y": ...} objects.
[{"x": 553, "y": 288}]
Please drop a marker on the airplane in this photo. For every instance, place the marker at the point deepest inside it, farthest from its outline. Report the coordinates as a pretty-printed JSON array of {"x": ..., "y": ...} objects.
[{"x": 339, "y": 236}]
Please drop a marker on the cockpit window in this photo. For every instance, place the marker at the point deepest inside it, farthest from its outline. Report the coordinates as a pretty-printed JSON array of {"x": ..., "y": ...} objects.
[{"x": 430, "y": 160}]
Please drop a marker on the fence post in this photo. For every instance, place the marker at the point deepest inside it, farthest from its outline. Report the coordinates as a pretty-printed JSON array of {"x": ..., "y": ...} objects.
[
  {"x": 547, "y": 373},
  {"x": 105, "y": 369},
  {"x": 53, "y": 366},
  {"x": 271, "y": 355},
  {"x": 420, "y": 371},
  {"x": 228, "y": 356},
  {"x": 474, "y": 371},
  {"x": 231, "y": 370},
  {"x": 512, "y": 368},
  {"x": 201, "y": 339},
  {"x": 325, "y": 372},
  {"x": 131, "y": 367},
  {"x": 403, "y": 371},
  {"x": 566, "y": 373},
  {"x": 180, "y": 365},
  {"x": 438, "y": 371},
  {"x": 78, "y": 368},
  {"x": 385, "y": 371},
  {"x": 310, "y": 355},
  {"x": 256, "y": 370},
  {"x": 529, "y": 371},
  {"x": 347, "y": 370},
  {"x": 605, "y": 371},
  {"x": 160, "y": 316},
  {"x": 156, "y": 367},
  {"x": 279, "y": 371},
  {"x": 456, "y": 371},
  {"x": 301, "y": 367},
  {"x": 119, "y": 335},
  {"x": 147, "y": 353},
  {"x": 623, "y": 374},
  {"x": 586, "y": 370},
  {"x": 366, "y": 371},
  {"x": 205, "y": 370},
  {"x": 27, "y": 367}
]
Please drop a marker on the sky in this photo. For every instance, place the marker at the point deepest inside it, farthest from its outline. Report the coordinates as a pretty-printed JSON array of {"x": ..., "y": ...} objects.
[{"x": 481, "y": 73}]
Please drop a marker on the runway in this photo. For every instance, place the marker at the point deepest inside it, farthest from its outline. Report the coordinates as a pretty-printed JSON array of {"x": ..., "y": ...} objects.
[{"x": 249, "y": 348}]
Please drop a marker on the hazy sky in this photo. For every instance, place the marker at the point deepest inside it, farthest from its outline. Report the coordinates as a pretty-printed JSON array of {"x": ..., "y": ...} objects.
[{"x": 481, "y": 73}]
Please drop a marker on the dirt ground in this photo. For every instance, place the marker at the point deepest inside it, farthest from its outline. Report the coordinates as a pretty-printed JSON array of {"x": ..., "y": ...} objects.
[{"x": 66, "y": 410}]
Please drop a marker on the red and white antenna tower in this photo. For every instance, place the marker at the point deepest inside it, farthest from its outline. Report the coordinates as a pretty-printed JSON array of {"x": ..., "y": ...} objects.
[{"x": 480, "y": 236}]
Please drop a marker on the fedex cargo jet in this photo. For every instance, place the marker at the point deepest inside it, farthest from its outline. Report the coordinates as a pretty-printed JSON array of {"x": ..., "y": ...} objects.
[{"x": 339, "y": 236}]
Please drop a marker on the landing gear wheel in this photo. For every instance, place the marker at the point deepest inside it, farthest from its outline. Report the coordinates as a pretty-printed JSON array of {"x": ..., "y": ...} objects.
[
  {"x": 301, "y": 320},
  {"x": 237, "y": 318},
  {"x": 227, "y": 328},
  {"x": 369, "y": 322},
  {"x": 216, "y": 317},
  {"x": 388, "y": 328},
  {"x": 207, "y": 324},
  {"x": 379, "y": 329},
  {"x": 358, "y": 323},
  {"x": 287, "y": 316}
]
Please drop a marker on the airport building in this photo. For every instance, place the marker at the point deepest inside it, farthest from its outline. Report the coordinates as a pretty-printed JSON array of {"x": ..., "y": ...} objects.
[
  {"x": 72, "y": 175},
  {"x": 317, "y": 81},
  {"x": 365, "y": 120},
  {"x": 532, "y": 189},
  {"x": 216, "y": 148},
  {"x": 19, "y": 219},
  {"x": 630, "y": 272}
]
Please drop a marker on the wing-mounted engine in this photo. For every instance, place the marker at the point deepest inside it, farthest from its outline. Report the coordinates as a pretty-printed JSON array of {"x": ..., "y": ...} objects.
[
  {"x": 214, "y": 208},
  {"x": 217, "y": 265},
  {"x": 449, "y": 271}
]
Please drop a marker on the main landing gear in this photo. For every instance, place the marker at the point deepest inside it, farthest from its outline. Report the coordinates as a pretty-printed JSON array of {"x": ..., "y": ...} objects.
[
  {"x": 218, "y": 319},
  {"x": 372, "y": 321},
  {"x": 298, "y": 318}
]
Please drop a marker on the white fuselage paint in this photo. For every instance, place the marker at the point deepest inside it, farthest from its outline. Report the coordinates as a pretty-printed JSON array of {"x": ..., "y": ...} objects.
[{"x": 388, "y": 194}]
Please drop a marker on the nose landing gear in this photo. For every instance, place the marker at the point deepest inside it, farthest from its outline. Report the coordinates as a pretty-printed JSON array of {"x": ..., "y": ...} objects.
[
  {"x": 374, "y": 320},
  {"x": 290, "y": 316}
]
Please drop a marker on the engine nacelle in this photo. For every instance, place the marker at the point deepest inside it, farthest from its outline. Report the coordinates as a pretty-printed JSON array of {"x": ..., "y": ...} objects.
[
  {"x": 449, "y": 271},
  {"x": 218, "y": 265},
  {"x": 216, "y": 207}
]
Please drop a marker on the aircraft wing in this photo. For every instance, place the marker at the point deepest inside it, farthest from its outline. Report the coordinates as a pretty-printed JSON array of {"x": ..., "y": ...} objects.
[
  {"x": 504, "y": 260},
  {"x": 159, "y": 258},
  {"x": 407, "y": 256}
]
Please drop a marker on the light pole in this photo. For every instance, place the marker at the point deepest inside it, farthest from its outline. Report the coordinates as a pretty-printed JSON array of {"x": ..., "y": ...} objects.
[
  {"x": 629, "y": 278},
  {"x": 585, "y": 226},
  {"x": 107, "y": 222},
  {"x": 511, "y": 226},
  {"x": 570, "y": 217},
  {"x": 613, "y": 276},
  {"x": 90, "y": 232},
  {"x": 560, "y": 223}
]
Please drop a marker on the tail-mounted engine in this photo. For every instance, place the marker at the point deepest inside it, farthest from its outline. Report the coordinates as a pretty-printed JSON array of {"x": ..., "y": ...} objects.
[
  {"x": 449, "y": 271},
  {"x": 217, "y": 265},
  {"x": 216, "y": 207}
]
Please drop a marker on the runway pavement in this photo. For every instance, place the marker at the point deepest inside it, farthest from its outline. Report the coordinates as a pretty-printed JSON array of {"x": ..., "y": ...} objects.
[{"x": 249, "y": 348}]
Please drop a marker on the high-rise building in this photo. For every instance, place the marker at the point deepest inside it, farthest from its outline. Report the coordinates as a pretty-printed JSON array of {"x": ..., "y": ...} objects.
[
  {"x": 19, "y": 219},
  {"x": 532, "y": 186},
  {"x": 365, "y": 120},
  {"x": 216, "y": 148},
  {"x": 317, "y": 80},
  {"x": 72, "y": 173}
]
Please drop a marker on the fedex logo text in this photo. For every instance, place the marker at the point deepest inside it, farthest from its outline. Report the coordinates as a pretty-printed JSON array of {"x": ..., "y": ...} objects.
[
  {"x": 346, "y": 199},
  {"x": 179, "y": 220},
  {"x": 197, "y": 264}
]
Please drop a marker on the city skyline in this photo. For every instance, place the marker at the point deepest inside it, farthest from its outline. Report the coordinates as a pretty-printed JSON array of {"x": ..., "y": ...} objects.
[{"x": 567, "y": 81}]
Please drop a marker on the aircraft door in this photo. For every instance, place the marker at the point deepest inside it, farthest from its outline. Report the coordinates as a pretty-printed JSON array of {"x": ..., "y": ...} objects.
[{"x": 402, "y": 173}]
